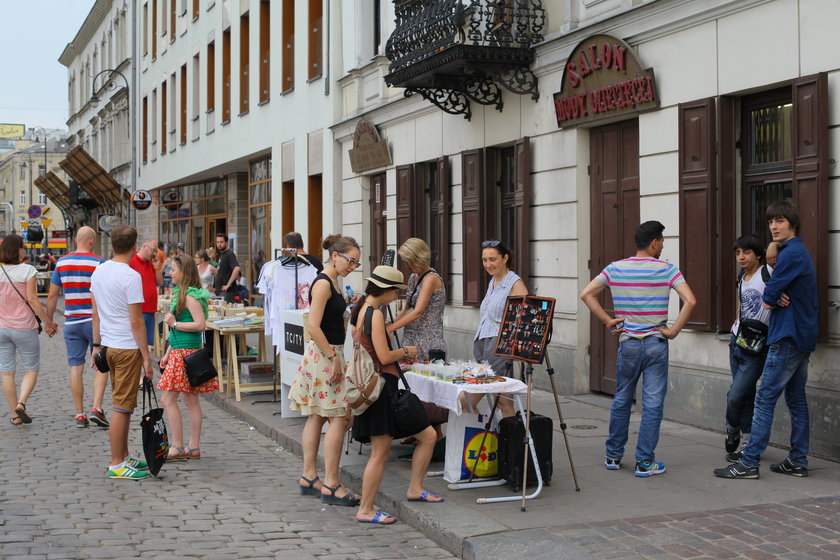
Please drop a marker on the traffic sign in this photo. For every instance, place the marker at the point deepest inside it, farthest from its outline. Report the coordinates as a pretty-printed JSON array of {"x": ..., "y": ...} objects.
[
  {"x": 34, "y": 211},
  {"x": 46, "y": 222},
  {"x": 24, "y": 226}
]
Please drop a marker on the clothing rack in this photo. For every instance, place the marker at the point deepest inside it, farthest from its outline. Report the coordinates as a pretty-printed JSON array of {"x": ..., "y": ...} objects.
[{"x": 284, "y": 255}]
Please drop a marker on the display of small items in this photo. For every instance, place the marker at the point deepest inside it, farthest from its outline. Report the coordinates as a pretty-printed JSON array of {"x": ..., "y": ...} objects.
[
  {"x": 453, "y": 371},
  {"x": 525, "y": 328}
]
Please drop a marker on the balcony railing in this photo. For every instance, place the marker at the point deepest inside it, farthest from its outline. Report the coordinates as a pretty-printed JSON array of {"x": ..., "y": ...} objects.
[{"x": 453, "y": 51}]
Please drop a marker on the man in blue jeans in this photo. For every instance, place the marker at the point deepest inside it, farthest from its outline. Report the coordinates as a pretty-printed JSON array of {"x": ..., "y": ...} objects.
[
  {"x": 640, "y": 288},
  {"x": 792, "y": 337}
]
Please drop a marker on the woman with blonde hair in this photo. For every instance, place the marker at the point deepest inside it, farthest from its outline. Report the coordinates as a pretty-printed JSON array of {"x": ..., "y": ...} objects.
[
  {"x": 318, "y": 389},
  {"x": 187, "y": 320}
]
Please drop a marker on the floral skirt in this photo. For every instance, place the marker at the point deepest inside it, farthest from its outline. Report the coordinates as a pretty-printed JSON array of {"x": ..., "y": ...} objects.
[
  {"x": 311, "y": 391},
  {"x": 174, "y": 377}
]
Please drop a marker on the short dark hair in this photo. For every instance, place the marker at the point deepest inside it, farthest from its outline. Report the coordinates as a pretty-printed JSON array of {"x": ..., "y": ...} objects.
[
  {"x": 648, "y": 232},
  {"x": 294, "y": 240},
  {"x": 223, "y": 236},
  {"x": 784, "y": 209},
  {"x": 750, "y": 243},
  {"x": 10, "y": 249},
  {"x": 123, "y": 239}
]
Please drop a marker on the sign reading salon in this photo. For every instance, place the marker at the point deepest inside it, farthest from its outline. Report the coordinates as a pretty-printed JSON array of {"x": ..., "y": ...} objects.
[{"x": 603, "y": 79}]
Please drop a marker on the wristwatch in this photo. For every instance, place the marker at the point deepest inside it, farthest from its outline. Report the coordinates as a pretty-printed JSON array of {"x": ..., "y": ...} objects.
[{"x": 175, "y": 325}]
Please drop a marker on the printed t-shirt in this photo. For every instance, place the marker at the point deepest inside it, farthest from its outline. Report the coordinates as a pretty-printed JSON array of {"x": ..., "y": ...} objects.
[
  {"x": 115, "y": 286},
  {"x": 16, "y": 313},
  {"x": 147, "y": 275},
  {"x": 73, "y": 273},
  {"x": 751, "y": 308},
  {"x": 640, "y": 289}
]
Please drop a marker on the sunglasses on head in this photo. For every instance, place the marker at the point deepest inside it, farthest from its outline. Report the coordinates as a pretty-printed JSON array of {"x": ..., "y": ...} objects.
[{"x": 490, "y": 243}]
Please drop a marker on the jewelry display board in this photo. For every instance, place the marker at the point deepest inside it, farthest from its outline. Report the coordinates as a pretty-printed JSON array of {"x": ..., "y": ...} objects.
[{"x": 526, "y": 328}]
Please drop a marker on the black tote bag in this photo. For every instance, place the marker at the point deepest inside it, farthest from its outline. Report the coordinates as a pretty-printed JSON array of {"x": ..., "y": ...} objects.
[
  {"x": 155, "y": 438},
  {"x": 410, "y": 415}
]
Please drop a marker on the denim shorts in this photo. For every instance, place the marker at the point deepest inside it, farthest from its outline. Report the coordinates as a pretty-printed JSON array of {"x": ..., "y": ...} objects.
[
  {"x": 149, "y": 320},
  {"x": 23, "y": 342},
  {"x": 78, "y": 337}
]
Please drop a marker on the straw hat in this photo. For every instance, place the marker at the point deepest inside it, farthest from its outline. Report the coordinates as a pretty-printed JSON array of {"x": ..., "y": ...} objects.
[{"x": 387, "y": 277}]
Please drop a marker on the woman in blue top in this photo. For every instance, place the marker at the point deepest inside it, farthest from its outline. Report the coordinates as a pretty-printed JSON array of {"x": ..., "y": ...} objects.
[
  {"x": 187, "y": 321},
  {"x": 495, "y": 257}
]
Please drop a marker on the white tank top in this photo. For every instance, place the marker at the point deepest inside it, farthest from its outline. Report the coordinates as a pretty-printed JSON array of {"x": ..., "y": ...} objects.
[{"x": 206, "y": 277}]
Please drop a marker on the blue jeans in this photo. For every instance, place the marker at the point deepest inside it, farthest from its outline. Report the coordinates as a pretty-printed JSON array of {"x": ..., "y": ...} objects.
[
  {"x": 786, "y": 369},
  {"x": 746, "y": 370},
  {"x": 646, "y": 358},
  {"x": 149, "y": 320}
]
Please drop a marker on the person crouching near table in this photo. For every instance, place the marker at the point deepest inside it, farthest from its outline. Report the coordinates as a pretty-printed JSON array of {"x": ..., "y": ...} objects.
[
  {"x": 318, "y": 388},
  {"x": 376, "y": 424},
  {"x": 187, "y": 320},
  {"x": 495, "y": 257}
]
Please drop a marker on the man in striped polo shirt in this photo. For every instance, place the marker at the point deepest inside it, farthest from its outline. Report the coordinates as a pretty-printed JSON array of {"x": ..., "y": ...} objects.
[
  {"x": 640, "y": 287},
  {"x": 73, "y": 273}
]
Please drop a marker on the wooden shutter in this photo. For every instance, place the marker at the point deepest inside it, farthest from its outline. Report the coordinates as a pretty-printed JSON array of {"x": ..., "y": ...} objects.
[
  {"x": 697, "y": 207},
  {"x": 726, "y": 303},
  {"x": 522, "y": 208},
  {"x": 440, "y": 210},
  {"x": 810, "y": 176},
  {"x": 405, "y": 196},
  {"x": 472, "y": 181}
]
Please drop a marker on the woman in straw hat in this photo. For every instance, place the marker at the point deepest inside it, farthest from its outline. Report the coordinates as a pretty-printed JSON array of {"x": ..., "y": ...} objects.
[{"x": 376, "y": 425}]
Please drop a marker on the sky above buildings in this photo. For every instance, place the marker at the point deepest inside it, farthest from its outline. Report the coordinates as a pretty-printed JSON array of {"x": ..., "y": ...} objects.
[{"x": 35, "y": 32}]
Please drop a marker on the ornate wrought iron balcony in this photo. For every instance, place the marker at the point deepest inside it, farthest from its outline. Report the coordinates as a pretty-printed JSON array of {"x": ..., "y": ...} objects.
[{"x": 455, "y": 51}]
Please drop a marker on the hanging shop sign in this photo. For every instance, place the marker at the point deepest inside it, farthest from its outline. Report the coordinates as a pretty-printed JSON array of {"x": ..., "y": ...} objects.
[
  {"x": 369, "y": 151},
  {"x": 171, "y": 196},
  {"x": 603, "y": 79},
  {"x": 141, "y": 199},
  {"x": 107, "y": 222}
]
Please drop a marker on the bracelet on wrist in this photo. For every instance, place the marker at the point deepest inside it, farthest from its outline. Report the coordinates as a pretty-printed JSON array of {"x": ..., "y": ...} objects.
[{"x": 405, "y": 350}]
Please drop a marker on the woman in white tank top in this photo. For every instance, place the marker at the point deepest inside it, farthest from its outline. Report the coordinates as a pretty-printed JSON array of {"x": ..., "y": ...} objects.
[{"x": 206, "y": 271}]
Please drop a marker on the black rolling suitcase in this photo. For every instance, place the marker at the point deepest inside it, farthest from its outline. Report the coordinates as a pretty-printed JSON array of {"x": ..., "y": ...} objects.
[{"x": 511, "y": 448}]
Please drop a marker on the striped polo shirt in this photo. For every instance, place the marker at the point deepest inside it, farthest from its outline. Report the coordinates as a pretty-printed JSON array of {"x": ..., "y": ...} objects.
[
  {"x": 73, "y": 273},
  {"x": 640, "y": 289}
]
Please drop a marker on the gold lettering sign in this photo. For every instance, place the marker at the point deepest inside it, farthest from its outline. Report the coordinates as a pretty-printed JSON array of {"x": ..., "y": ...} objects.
[
  {"x": 369, "y": 151},
  {"x": 603, "y": 79}
]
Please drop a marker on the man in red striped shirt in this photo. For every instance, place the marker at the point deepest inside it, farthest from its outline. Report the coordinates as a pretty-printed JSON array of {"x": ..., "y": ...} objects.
[{"x": 72, "y": 273}]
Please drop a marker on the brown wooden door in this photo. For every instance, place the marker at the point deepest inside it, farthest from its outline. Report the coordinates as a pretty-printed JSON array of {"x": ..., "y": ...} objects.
[
  {"x": 614, "y": 190},
  {"x": 378, "y": 220}
]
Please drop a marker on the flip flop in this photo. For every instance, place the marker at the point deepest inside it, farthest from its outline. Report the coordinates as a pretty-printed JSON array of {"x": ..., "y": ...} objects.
[
  {"x": 12, "y": 420},
  {"x": 309, "y": 489},
  {"x": 426, "y": 497},
  {"x": 179, "y": 455},
  {"x": 349, "y": 499},
  {"x": 21, "y": 412},
  {"x": 380, "y": 518}
]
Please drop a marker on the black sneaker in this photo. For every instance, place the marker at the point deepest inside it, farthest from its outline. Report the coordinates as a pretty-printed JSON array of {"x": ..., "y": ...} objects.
[
  {"x": 787, "y": 467},
  {"x": 733, "y": 457},
  {"x": 737, "y": 470},
  {"x": 98, "y": 418},
  {"x": 732, "y": 441}
]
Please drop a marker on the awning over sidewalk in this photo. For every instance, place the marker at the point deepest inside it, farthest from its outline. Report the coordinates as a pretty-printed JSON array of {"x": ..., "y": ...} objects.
[
  {"x": 95, "y": 181},
  {"x": 55, "y": 189}
]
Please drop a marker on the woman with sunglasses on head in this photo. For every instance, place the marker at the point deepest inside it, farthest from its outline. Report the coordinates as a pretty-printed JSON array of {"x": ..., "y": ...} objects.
[
  {"x": 376, "y": 425},
  {"x": 495, "y": 257},
  {"x": 18, "y": 327},
  {"x": 318, "y": 388},
  {"x": 187, "y": 319}
]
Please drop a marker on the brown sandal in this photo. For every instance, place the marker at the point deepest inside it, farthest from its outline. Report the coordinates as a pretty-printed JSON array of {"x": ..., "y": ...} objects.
[{"x": 178, "y": 455}]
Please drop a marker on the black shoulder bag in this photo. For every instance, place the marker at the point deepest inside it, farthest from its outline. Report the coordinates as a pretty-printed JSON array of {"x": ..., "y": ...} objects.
[
  {"x": 199, "y": 366},
  {"x": 38, "y": 319},
  {"x": 752, "y": 334},
  {"x": 410, "y": 416}
]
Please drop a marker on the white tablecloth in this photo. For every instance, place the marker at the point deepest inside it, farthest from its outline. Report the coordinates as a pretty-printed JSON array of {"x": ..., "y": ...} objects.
[{"x": 445, "y": 393}]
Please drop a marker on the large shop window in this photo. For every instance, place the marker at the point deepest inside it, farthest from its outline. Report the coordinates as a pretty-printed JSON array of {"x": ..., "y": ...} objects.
[
  {"x": 259, "y": 219},
  {"x": 783, "y": 152},
  {"x": 192, "y": 215},
  {"x": 496, "y": 205},
  {"x": 424, "y": 206}
]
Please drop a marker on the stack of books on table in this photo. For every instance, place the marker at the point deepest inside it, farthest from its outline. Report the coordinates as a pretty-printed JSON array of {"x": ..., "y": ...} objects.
[{"x": 229, "y": 322}]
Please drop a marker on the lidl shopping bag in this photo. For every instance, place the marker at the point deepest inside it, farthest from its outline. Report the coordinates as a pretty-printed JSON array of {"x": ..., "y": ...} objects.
[{"x": 464, "y": 435}]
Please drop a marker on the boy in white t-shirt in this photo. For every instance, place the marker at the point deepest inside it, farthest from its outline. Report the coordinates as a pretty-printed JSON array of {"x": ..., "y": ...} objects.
[
  {"x": 746, "y": 366},
  {"x": 117, "y": 297}
]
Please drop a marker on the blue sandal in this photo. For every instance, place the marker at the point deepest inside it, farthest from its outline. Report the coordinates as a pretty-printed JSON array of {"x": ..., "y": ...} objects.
[
  {"x": 427, "y": 496},
  {"x": 309, "y": 489},
  {"x": 380, "y": 518}
]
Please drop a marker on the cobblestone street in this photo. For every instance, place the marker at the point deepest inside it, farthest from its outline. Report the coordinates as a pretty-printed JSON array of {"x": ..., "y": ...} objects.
[{"x": 240, "y": 500}]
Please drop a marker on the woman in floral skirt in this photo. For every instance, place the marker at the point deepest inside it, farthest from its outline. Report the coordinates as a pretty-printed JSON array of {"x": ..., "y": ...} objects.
[
  {"x": 318, "y": 388},
  {"x": 187, "y": 322}
]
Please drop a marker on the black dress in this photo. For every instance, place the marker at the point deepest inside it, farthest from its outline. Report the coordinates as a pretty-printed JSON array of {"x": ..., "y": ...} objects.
[{"x": 378, "y": 419}]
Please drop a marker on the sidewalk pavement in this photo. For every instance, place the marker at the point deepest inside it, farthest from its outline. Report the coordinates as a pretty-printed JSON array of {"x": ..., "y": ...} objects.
[{"x": 683, "y": 513}]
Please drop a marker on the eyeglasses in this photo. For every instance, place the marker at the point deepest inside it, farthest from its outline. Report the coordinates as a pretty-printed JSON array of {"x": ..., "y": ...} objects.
[
  {"x": 352, "y": 262},
  {"x": 490, "y": 243}
]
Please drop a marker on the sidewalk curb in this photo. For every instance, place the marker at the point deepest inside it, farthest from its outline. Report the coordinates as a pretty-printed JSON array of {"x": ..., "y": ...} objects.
[{"x": 457, "y": 529}]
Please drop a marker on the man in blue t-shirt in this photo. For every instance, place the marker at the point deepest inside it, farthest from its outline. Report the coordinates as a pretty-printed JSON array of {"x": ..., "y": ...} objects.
[
  {"x": 73, "y": 273},
  {"x": 792, "y": 337}
]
